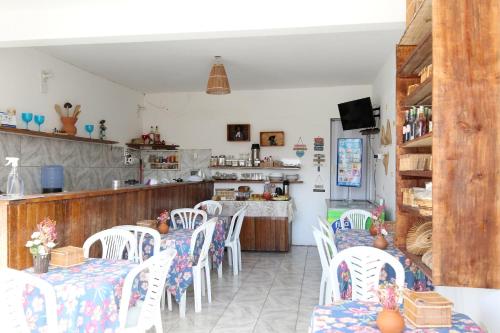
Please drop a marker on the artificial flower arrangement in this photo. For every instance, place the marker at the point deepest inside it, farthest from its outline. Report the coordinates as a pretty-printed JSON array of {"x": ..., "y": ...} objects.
[
  {"x": 389, "y": 319},
  {"x": 378, "y": 225},
  {"x": 162, "y": 222},
  {"x": 43, "y": 240}
]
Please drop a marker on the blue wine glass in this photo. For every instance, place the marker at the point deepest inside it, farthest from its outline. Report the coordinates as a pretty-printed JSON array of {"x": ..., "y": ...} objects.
[
  {"x": 39, "y": 120},
  {"x": 27, "y": 117},
  {"x": 89, "y": 128}
]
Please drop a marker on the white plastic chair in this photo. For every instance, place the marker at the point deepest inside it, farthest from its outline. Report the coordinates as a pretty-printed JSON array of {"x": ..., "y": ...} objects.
[
  {"x": 326, "y": 228},
  {"x": 12, "y": 286},
  {"x": 365, "y": 264},
  {"x": 232, "y": 242},
  {"x": 188, "y": 217},
  {"x": 327, "y": 250},
  {"x": 199, "y": 282},
  {"x": 140, "y": 234},
  {"x": 146, "y": 314},
  {"x": 114, "y": 242},
  {"x": 357, "y": 217},
  {"x": 214, "y": 208}
]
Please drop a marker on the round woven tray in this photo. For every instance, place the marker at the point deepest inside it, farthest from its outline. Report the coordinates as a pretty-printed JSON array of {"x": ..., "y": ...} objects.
[{"x": 419, "y": 238}]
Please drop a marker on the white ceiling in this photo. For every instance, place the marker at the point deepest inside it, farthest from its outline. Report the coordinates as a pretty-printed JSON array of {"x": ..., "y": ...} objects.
[{"x": 252, "y": 63}]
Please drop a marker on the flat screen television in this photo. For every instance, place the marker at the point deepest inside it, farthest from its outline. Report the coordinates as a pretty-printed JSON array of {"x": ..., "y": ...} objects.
[{"x": 357, "y": 114}]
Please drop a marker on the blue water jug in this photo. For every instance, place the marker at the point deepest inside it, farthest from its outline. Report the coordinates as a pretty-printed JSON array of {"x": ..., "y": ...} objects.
[{"x": 52, "y": 178}]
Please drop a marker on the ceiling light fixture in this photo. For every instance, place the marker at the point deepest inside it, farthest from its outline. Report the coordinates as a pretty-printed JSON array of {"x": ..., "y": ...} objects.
[{"x": 218, "y": 84}]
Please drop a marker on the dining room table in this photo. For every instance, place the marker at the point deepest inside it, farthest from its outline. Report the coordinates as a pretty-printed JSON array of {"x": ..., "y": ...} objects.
[
  {"x": 415, "y": 278},
  {"x": 360, "y": 317},
  {"x": 87, "y": 295},
  {"x": 180, "y": 276}
]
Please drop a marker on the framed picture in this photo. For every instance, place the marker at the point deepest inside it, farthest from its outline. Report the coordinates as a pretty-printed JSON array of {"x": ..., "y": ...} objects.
[
  {"x": 270, "y": 139},
  {"x": 238, "y": 132}
]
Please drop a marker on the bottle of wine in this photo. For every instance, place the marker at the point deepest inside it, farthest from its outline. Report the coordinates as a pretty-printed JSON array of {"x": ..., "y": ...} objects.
[
  {"x": 429, "y": 120},
  {"x": 405, "y": 127},
  {"x": 422, "y": 125},
  {"x": 413, "y": 122}
]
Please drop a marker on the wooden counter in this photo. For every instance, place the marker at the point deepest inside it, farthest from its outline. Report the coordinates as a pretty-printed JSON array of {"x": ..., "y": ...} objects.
[
  {"x": 267, "y": 225},
  {"x": 81, "y": 214}
]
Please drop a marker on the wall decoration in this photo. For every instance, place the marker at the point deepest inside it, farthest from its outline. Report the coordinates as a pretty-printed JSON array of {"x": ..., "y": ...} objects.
[
  {"x": 385, "y": 134},
  {"x": 270, "y": 139},
  {"x": 319, "y": 184},
  {"x": 238, "y": 132},
  {"x": 319, "y": 144},
  {"x": 300, "y": 148},
  {"x": 349, "y": 154},
  {"x": 385, "y": 161},
  {"x": 319, "y": 159}
]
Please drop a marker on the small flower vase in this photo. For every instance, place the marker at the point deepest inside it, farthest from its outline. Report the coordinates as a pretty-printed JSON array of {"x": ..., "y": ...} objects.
[
  {"x": 380, "y": 242},
  {"x": 163, "y": 227},
  {"x": 390, "y": 321},
  {"x": 41, "y": 263}
]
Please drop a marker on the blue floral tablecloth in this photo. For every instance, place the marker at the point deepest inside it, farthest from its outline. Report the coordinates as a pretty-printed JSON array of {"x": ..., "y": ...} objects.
[
  {"x": 180, "y": 276},
  {"x": 414, "y": 278},
  {"x": 361, "y": 317},
  {"x": 88, "y": 296}
]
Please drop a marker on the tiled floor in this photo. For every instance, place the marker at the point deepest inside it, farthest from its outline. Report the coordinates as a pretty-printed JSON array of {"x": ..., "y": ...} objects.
[{"x": 275, "y": 292}]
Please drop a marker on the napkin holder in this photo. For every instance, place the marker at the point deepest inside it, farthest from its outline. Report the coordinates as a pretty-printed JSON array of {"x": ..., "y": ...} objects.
[{"x": 66, "y": 256}]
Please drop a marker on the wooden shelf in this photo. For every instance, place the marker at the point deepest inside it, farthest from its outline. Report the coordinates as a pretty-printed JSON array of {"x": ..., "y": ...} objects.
[
  {"x": 420, "y": 58},
  {"x": 416, "y": 173},
  {"x": 228, "y": 181},
  {"x": 422, "y": 95},
  {"x": 254, "y": 168},
  {"x": 152, "y": 147},
  {"x": 417, "y": 260},
  {"x": 422, "y": 141},
  {"x": 409, "y": 210},
  {"x": 420, "y": 26},
  {"x": 19, "y": 131}
]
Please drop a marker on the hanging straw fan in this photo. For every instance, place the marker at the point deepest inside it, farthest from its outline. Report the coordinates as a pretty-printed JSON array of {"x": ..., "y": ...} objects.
[{"x": 419, "y": 238}]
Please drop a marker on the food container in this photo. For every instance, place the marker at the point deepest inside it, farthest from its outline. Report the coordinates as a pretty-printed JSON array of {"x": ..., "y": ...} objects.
[
  {"x": 426, "y": 309},
  {"x": 292, "y": 178},
  {"x": 241, "y": 163},
  {"x": 242, "y": 196},
  {"x": 275, "y": 177},
  {"x": 221, "y": 160},
  {"x": 229, "y": 162},
  {"x": 243, "y": 188},
  {"x": 234, "y": 163},
  {"x": 214, "y": 161},
  {"x": 66, "y": 256}
]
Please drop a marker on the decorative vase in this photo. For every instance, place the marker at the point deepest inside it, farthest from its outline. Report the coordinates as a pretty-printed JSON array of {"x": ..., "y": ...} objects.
[
  {"x": 163, "y": 228},
  {"x": 69, "y": 125},
  {"x": 380, "y": 242},
  {"x": 390, "y": 321},
  {"x": 373, "y": 229},
  {"x": 41, "y": 263}
]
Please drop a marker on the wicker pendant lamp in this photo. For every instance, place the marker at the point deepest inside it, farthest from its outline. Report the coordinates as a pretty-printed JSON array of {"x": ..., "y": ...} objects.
[{"x": 218, "y": 83}]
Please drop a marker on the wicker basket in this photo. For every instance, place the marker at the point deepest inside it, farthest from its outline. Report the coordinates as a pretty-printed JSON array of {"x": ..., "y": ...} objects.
[
  {"x": 419, "y": 238},
  {"x": 66, "y": 256},
  {"x": 426, "y": 309},
  {"x": 225, "y": 193},
  {"x": 147, "y": 223},
  {"x": 415, "y": 162}
]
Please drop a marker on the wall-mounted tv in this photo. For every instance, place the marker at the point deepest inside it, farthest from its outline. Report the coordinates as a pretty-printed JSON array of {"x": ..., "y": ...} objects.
[{"x": 357, "y": 114}]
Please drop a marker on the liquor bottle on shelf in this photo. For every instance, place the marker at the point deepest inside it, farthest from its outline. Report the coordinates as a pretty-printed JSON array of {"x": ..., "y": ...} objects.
[
  {"x": 429, "y": 120},
  {"x": 408, "y": 127},
  {"x": 422, "y": 124},
  {"x": 413, "y": 122},
  {"x": 405, "y": 127},
  {"x": 157, "y": 135}
]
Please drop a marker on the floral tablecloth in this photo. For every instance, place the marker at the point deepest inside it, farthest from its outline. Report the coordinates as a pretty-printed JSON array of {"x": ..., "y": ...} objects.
[
  {"x": 180, "y": 276},
  {"x": 414, "y": 278},
  {"x": 88, "y": 296},
  {"x": 361, "y": 317}
]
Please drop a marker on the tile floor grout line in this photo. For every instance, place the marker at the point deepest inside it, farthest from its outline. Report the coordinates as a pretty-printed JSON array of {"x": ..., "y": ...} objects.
[
  {"x": 267, "y": 296},
  {"x": 301, "y": 285},
  {"x": 232, "y": 299}
]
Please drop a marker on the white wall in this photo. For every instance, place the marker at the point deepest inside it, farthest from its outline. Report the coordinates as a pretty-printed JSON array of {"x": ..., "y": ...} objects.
[
  {"x": 100, "y": 99},
  {"x": 384, "y": 95},
  {"x": 198, "y": 120}
]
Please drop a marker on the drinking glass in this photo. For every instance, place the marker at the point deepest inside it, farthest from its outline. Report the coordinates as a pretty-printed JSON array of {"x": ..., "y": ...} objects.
[
  {"x": 27, "y": 117},
  {"x": 39, "y": 120},
  {"x": 89, "y": 128}
]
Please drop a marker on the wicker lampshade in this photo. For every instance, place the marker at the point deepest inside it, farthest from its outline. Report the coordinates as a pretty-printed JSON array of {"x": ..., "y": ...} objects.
[{"x": 218, "y": 83}]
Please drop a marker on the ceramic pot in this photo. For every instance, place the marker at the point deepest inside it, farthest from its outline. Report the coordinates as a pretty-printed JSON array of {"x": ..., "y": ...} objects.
[
  {"x": 380, "y": 242},
  {"x": 41, "y": 263},
  {"x": 390, "y": 321},
  {"x": 373, "y": 229},
  {"x": 69, "y": 125},
  {"x": 163, "y": 228}
]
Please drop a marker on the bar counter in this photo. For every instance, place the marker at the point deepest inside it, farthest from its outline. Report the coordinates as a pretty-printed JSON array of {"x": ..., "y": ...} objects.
[{"x": 81, "y": 214}]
